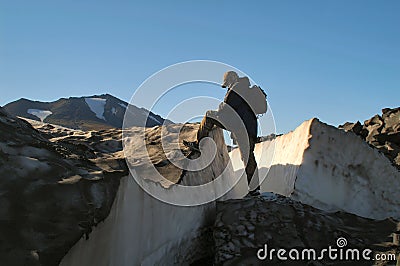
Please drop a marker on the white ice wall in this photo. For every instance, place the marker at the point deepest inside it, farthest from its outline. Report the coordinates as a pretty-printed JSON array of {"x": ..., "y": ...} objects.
[
  {"x": 341, "y": 171},
  {"x": 329, "y": 169},
  {"x": 141, "y": 230}
]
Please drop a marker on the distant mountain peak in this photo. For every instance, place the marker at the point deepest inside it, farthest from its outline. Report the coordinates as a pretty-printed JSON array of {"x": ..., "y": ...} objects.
[{"x": 93, "y": 112}]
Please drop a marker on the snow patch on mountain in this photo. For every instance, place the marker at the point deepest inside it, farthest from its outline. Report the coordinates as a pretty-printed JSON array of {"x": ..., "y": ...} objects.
[
  {"x": 154, "y": 119},
  {"x": 150, "y": 116},
  {"x": 122, "y": 105},
  {"x": 96, "y": 105},
  {"x": 41, "y": 114}
]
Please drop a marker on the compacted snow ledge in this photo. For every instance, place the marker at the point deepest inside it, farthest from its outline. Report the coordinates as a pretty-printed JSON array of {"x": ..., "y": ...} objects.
[{"x": 329, "y": 169}]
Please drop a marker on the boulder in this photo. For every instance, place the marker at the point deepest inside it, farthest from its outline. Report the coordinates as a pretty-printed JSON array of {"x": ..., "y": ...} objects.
[
  {"x": 381, "y": 132},
  {"x": 353, "y": 127}
]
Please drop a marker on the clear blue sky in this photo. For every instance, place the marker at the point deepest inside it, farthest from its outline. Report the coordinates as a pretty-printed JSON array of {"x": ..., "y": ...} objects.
[{"x": 336, "y": 60}]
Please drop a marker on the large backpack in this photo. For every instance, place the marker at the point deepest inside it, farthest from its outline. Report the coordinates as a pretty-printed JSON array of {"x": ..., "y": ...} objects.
[
  {"x": 254, "y": 96},
  {"x": 258, "y": 100}
]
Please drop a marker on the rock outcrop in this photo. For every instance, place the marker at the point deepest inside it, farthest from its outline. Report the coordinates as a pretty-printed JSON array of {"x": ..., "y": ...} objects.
[
  {"x": 381, "y": 132},
  {"x": 244, "y": 226}
]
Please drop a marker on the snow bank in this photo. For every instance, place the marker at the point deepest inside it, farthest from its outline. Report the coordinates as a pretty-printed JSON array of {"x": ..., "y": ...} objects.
[
  {"x": 41, "y": 114},
  {"x": 96, "y": 105},
  {"x": 329, "y": 169}
]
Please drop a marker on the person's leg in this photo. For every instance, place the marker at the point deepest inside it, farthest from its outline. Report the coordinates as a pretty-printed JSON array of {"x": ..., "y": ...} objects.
[
  {"x": 206, "y": 125},
  {"x": 246, "y": 147},
  {"x": 252, "y": 169}
]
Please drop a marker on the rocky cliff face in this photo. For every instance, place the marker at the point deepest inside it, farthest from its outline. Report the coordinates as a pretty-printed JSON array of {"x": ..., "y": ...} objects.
[
  {"x": 55, "y": 186},
  {"x": 381, "y": 132},
  {"x": 244, "y": 226}
]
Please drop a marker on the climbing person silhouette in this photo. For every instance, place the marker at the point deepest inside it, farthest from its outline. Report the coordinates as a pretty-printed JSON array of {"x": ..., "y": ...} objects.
[{"x": 236, "y": 115}]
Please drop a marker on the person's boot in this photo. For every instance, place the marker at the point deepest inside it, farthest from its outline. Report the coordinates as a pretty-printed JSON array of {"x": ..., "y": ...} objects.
[
  {"x": 192, "y": 145},
  {"x": 254, "y": 193}
]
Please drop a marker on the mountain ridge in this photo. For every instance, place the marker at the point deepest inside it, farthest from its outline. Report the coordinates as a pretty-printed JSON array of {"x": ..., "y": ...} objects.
[{"x": 94, "y": 112}]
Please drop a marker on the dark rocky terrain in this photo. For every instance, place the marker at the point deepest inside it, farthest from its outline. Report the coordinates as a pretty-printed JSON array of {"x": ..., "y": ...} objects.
[
  {"x": 381, "y": 132},
  {"x": 243, "y": 226},
  {"x": 54, "y": 187},
  {"x": 76, "y": 113}
]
